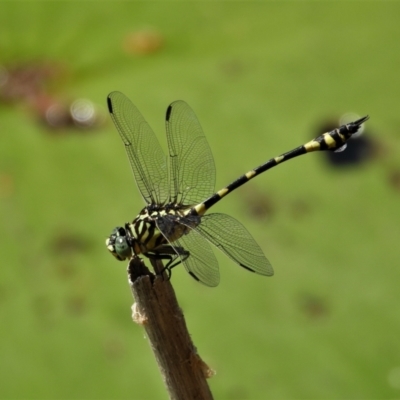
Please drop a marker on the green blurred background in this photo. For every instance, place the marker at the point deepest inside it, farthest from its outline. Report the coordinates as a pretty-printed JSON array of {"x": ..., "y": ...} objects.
[{"x": 262, "y": 77}]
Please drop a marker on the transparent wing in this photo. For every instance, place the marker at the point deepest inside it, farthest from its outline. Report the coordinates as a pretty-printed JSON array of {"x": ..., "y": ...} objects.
[
  {"x": 201, "y": 263},
  {"x": 192, "y": 168},
  {"x": 233, "y": 239},
  {"x": 148, "y": 161}
]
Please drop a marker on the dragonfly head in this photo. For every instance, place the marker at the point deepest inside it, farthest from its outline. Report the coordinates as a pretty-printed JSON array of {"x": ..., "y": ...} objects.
[{"x": 118, "y": 243}]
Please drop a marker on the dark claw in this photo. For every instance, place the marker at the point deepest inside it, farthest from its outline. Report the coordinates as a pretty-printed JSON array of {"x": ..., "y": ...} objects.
[{"x": 353, "y": 127}]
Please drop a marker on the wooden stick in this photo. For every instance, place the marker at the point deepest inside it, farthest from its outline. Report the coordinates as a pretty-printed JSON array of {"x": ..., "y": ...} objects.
[{"x": 156, "y": 308}]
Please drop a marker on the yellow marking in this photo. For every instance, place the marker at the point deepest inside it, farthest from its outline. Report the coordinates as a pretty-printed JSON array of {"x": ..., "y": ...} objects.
[
  {"x": 111, "y": 249},
  {"x": 143, "y": 231},
  {"x": 222, "y": 192},
  {"x": 250, "y": 174},
  {"x": 200, "y": 209},
  {"x": 329, "y": 140},
  {"x": 163, "y": 213},
  {"x": 312, "y": 146},
  {"x": 279, "y": 159},
  {"x": 152, "y": 242},
  {"x": 186, "y": 211}
]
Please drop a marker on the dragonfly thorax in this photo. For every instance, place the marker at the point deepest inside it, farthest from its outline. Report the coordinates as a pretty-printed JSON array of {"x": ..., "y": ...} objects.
[{"x": 143, "y": 234}]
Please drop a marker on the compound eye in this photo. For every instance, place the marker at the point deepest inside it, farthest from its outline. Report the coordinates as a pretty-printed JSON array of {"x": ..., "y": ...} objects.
[
  {"x": 117, "y": 244},
  {"x": 122, "y": 247}
]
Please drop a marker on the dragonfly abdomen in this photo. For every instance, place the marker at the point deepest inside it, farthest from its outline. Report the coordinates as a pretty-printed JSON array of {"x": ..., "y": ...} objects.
[{"x": 332, "y": 140}]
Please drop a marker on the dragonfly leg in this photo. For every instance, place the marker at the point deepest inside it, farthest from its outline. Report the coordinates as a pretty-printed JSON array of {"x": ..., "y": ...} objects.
[{"x": 174, "y": 255}]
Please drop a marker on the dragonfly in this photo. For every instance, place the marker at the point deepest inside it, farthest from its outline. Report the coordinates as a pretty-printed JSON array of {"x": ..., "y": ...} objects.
[{"x": 178, "y": 190}]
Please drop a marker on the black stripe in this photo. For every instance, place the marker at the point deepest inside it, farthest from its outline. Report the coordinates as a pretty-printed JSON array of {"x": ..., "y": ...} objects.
[
  {"x": 136, "y": 227},
  {"x": 238, "y": 182},
  {"x": 160, "y": 240},
  {"x": 150, "y": 231},
  {"x": 212, "y": 200},
  {"x": 322, "y": 142}
]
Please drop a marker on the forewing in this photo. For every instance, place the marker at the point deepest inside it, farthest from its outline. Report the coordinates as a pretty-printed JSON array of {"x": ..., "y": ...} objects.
[
  {"x": 233, "y": 239},
  {"x": 201, "y": 263},
  {"x": 147, "y": 159},
  {"x": 192, "y": 168}
]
